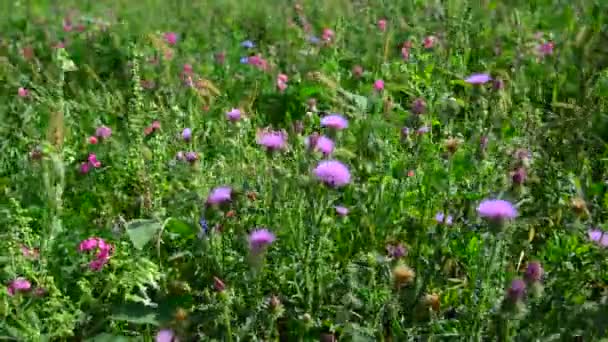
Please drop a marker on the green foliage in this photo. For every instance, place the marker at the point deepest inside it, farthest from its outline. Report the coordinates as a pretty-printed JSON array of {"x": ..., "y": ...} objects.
[{"x": 176, "y": 261}]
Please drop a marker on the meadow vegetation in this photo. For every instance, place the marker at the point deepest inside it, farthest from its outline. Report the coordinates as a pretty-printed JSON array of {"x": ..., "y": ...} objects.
[{"x": 297, "y": 171}]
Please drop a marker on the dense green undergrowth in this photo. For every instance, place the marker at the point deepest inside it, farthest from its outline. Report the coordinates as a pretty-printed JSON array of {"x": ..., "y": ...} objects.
[{"x": 164, "y": 170}]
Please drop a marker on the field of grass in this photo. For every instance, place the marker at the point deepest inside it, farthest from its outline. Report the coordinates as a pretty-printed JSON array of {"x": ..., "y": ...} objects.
[{"x": 299, "y": 171}]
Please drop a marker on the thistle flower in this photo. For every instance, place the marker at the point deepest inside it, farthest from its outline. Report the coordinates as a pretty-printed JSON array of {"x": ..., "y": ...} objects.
[
  {"x": 220, "y": 195},
  {"x": 396, "y": 251},
  {"x": 379, "y": 85},
  {"x": 18, "y": 285},
  {"x": 545, "y": 49},
  {"x": 248, "y": 44},
  {"x": 534, "y": 272},
  {"x": 429, "y": 42},
  {"x": 333, "y": 173},
  {"x": 170, "y": 38},
  {"x": 321, "y": 143},
  {"x": 260, "y": 239},
  {"x": 403, "y": 275},
  {"x": 341, "y": 211},
  {"x": 382, "y": 25},
  {"x": 166, "y": 335},
  {"x": 22, "y": 92},
  {"x": 517, "y": 291},
  {"x": 441, "y": 218},
  {"x": 519, "y": 176},
  {"x": 191, "y": 156},
  {"x": 478, "y": 79},
  {"x": 496, "y": 210},
  {"x": 187, "y": 134},
  {"x": 598, "y": 236},
  {"x": 272, "y": 140},
  {"x": 418, "y": 106},
  {"x": 334, "y": 121},
  {"x": 103, "y": 248},
  {"x": 234, "y": 115},
  {"x": 328, "y": 34}
]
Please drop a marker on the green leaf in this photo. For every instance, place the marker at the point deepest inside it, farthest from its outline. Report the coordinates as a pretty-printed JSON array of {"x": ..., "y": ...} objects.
[
  {"x": 135, "y": 313},
  {"x": 105, "y": 337},
  {"x": 180, "y": 227},
  {"x": 142, "y": 231}
]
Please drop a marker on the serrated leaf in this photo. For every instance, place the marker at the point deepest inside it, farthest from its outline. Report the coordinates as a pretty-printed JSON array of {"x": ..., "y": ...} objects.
[{"x": 142, "y": 231}]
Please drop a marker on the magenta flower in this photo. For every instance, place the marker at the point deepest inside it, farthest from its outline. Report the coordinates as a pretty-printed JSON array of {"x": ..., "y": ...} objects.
[
  {"x": 382, "y": 25},
  {"x": 322, "y": 144},
  {"x": 191, "y": 156},
  {"x": 546, "y": 49},
  {"x": 259, "y": 239},
  {"x": 282, "y": 82},
  {"x": 599, "y": 237},
  {"x": 103, "y": 132},
  {"x": 332, "y": 173},
  {"x": 379, "y": 85},
  {"x": 234, "y": 115},
  {"x": 103, "y": 248},
  {"x": 441, "y": 218},
  {"x": 166, "y": 335},
  {"x": 534, "y": 272},
  {"x": 220, "y": 195},
  {"x": 85, "y": 168},
  {"x": 496, "y": 210},
  {"x": 272, "y": 140},
  {"x": 93, "y": 160},
  {"x": 18, "y": 285},
  {"x": 396, "y": 251},
  {"x": 342, "y": 211},
  {"x": 418, "y": 106},
  {"x": 429, "y": 42},
  {"x": 516, "y": 291},
  {"x": 478, "y": 79},
  {"x": 334, "y": 121},
  {"x": 328, "y": 34},
  {"x": 22, "y": 92},
  {"x": 171, "y": 38}
]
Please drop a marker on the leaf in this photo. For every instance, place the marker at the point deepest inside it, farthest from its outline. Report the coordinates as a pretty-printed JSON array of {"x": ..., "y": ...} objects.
[
  {"x": 136, "y": 314},
  {"x": 180, "y": 227},
  {"x": 105, "y": 337},
  {"x": 142, "y": 231}
]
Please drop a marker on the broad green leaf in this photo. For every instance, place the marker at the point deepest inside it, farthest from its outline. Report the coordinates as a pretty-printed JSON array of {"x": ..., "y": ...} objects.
[
  {"x": 180, "y": 227},
  {"x": 142, "y": 231},
  {"x": 136, "y": 314}
]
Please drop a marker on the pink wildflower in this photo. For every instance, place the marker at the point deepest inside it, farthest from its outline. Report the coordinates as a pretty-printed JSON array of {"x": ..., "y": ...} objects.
[
  {"x": 93, "y": 161},
  {"x": 334, "y": 121},
  {"x": 429, "y": 42},
  {"x": 328, "y": 34},
  {"x": 18, "y": 285},
  {"x": 382, "y": 25},
  {"x": 22, "y": 92},
  {"x": 170, "y": 38},
  {"x": 272, "y": 140},
  {"x": 379, "y": 85},
  {"x": 234, "y": 114},
  {"x": 332, "y": 173}
]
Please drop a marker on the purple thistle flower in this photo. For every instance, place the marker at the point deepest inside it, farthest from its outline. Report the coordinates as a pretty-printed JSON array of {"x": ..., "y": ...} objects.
[
  {"x": 166, "y": 335},
  {"x": 220, "y": 195},
  {"x": 248, "y": 44},
  {"x": 332, "y": 173},
  {"x": 405, "y": 132},
  {"x": 418, "y": 106},
  {"x": 599, "y": 237},
  {"x": 534, "y": 272},
  {"x": 442, "y": 219},
  {"x": 516, "y": 291},
  {"x": 323, "y": 144},
  {"x": 396, "y": 251},
  {"x": 103, "y": 132},
  {"x": 272, "y": 140},
  {"x": 423, "y": 129},
  {"x": 18, "y": 285},
  {"x": 334, "y": 121},
  {"x": 187, "y": 134},
  {"x": 496, "y": 209},
  {"x": 259, "y": 239},
  {"x": 191, "y": 156},
  {"x": 519, "y": 176},
  {"x": 171, "y": 38},
  {"x": 234, "y": 114},
  {"x": 342, "y": 211},
  {"x": 478, "y": 79}
]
